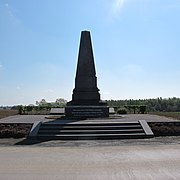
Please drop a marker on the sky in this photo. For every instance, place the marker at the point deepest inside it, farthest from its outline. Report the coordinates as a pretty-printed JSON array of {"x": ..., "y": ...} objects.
[{"x": 136, "y": 45}]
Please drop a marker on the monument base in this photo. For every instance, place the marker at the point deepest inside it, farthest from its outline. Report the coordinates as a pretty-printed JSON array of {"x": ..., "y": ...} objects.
[{"x": 87, "y": 111}]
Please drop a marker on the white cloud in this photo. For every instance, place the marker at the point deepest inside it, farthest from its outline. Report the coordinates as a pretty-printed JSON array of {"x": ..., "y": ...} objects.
[
  {"x": 133, "y": 69},
  {"x": 106, "y": 95},
  {"x": 49, "y": 90},
  {"x": 172, "y": 5},
  {"x": 1, "y": 65},
  {"x": 116, "y": 8},
  {"x": 18, "y": 87},
  {"x": 6, "y": 4},
  {"x": 118, "y": 4},
  {"x": 11, "y": 12}
]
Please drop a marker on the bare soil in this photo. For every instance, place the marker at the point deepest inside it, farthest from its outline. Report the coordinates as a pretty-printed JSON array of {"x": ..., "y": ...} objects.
[
  {"x": 165, "y": 128},
  {"x": 7, "y": 112},
  {"x": 174, "y": 115},
  {"x": 14, "y": 130}
]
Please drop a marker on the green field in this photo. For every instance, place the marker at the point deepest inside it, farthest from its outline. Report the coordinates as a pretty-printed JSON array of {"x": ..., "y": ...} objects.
[{"x": 174, "y": 115}]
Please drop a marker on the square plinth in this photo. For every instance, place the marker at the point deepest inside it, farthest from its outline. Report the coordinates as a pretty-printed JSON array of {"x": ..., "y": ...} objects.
[{"x": 87, "y": 111}]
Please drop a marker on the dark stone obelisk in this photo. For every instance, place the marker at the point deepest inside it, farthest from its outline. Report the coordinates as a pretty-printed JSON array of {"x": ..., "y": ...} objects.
[
  {"x": 86, "y": 98},
  {"x": 85, "y": 91}
]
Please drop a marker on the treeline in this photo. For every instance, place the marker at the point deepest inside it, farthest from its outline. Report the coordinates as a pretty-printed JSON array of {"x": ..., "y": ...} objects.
[{"x": 152, "y": 105}]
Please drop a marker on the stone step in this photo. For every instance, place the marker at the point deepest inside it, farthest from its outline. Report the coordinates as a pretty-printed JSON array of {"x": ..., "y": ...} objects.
[
  {"x": 52, "y": 127},
  {"x": 92, "y": 124},
  {"x": 85, "y": 130},
  {"x": 92, "y": 131},
  {"x": 90, "y": 136}
]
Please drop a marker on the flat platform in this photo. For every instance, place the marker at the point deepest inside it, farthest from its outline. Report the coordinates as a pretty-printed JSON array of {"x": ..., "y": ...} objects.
[{"x": 123, "y": 118}]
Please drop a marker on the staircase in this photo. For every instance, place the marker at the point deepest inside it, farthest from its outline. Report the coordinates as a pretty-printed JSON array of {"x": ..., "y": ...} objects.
[{"x": 92, "y": 130}]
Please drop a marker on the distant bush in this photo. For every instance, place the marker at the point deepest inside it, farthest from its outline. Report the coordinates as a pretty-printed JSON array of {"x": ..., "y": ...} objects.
[
  {"x": 24, "y": 110},
  {"x": 121, "y": 111}
]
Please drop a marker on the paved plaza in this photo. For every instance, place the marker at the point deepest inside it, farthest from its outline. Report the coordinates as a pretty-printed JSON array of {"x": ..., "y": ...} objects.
[
  {"x": 134, "y": 159},
  {"x": 122, "y": 118}
]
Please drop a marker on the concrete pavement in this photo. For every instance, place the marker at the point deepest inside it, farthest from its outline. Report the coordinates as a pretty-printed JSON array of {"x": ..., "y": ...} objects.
[
  {"x": 122, "y": 118},
  {"x": 124, "y": 162}
]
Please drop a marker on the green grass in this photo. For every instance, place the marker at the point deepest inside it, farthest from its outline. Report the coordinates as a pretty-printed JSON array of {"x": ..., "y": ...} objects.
[{"x": 174, "y": 115}]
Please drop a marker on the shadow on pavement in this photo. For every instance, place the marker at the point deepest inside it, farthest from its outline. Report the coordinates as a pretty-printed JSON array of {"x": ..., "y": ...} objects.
[{"x": 31, "y": 141}]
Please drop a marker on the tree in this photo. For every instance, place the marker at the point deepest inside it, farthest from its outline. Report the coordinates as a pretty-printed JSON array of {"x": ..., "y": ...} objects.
[
  {"x": 61, "y": 102},
  {"x": 41, "y": 103}
]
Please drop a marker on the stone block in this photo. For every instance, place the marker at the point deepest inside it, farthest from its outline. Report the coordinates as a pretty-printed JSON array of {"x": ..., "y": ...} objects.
[{"x": 87, "y": 111}]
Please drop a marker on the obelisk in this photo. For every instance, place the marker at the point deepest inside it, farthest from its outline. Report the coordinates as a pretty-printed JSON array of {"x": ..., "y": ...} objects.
[{"x": 86, "y": 98}]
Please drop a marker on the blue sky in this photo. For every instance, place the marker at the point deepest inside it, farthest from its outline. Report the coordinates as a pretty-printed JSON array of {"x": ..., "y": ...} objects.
[{"x": 136, "y": 47}]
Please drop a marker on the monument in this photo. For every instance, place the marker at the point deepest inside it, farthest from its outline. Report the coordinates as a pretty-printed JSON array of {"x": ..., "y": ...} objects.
[{"x": 86, "y": 100}]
